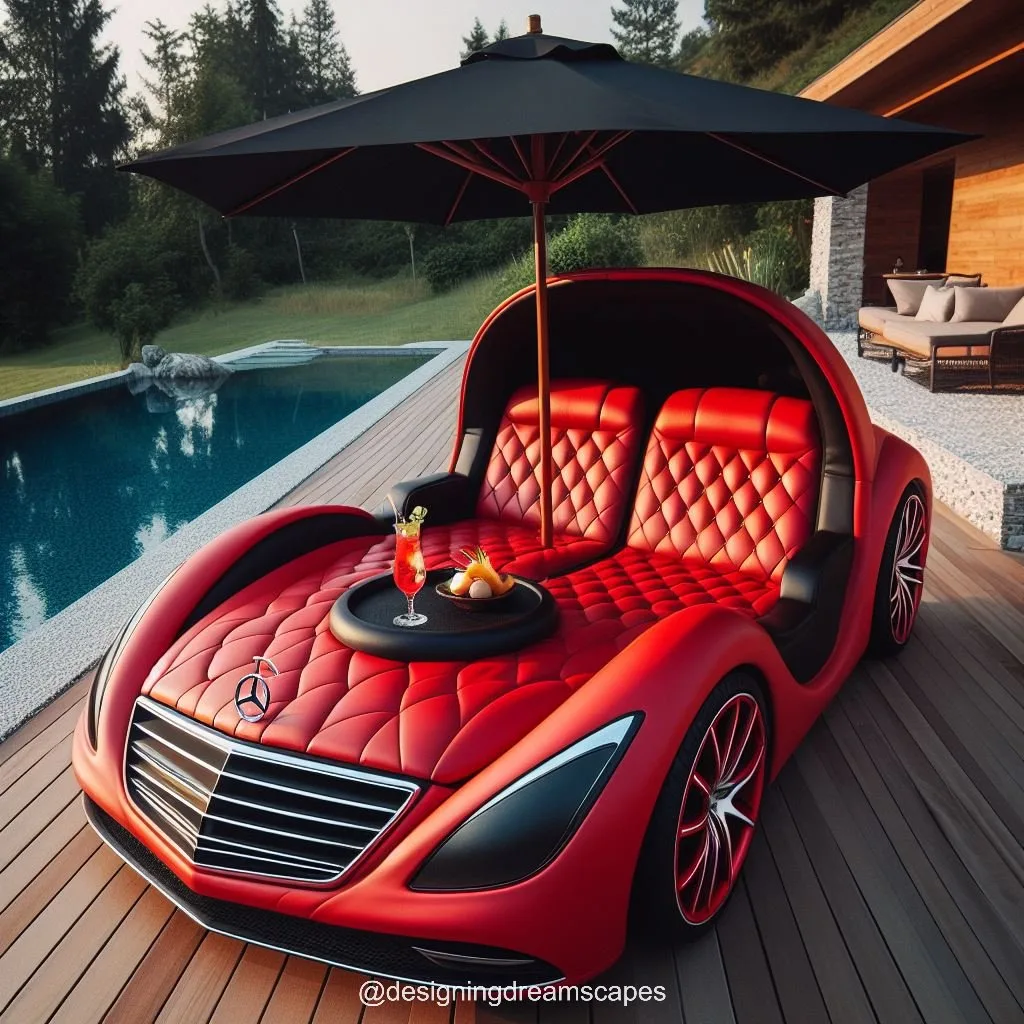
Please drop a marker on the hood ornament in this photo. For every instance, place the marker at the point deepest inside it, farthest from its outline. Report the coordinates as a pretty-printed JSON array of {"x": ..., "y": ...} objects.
[{"x": 252, "y": 694}]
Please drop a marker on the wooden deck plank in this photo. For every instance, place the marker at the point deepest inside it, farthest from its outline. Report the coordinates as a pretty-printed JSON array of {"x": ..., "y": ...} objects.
[
  {"x": 841, "y": 988},
  {"x": 153, "y": 980},
  {"x": 296, "y": 993},
  {"x": 34, "y": 819},
  {"x": 198, "y": 990},
  {"x": 21, "y": 760},
  {"x": 44, "y": 718},
  {"x": 935, "y": 979},
  {"x": 247, "y": 994},
  {"x": 64, "y": 965},
  {"x": 339, "y": 1002},
  {"x": 114, "y": 965},
  {"x": 40, "y": 852},
  {"x": 886, "y": 883},
  {"x": 746, "y": 967},
  {"x": 34, "y": 944},
  {"x": 30, "y": 900}
]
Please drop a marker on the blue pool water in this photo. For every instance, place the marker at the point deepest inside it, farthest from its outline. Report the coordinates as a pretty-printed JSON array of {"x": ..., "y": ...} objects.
[{"x": 90, "y": 483}]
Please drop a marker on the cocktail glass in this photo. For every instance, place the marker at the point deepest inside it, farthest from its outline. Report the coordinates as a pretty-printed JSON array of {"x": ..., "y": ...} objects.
[{"x": 410, "y": 572}]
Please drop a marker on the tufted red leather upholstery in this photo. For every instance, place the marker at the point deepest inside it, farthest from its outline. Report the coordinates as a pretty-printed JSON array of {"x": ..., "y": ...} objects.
[
  {"x": 727, "y": 494},
  {"x": 439, "y": 720},
  {"x": 730, "y": 480},
  {"x": 595, "y": 442}
]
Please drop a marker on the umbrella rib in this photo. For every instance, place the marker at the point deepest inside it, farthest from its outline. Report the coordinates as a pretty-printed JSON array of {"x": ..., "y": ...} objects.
[
  {"x": 595, "y": 160},
  {"x": 264, "y": 196},
  {"x": 460, "y": 159},
  {"x": 773, "y": 163},
  {"x": 556, "y": 154},
  {"x": 618, "y": 188},
  {"x": 480, "y": 147},
  {"x": 458, "y": 198},
  {"x": 584, "y": 145},
  {"x": 522, "y": 157}
]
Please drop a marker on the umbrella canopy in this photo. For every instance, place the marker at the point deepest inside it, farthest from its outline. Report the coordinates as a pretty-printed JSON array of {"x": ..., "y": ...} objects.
[{"x": 567, "y": 125}]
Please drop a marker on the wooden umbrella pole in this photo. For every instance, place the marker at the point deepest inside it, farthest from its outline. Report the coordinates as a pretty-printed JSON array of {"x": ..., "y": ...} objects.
[{"x": 540, "y": 260}]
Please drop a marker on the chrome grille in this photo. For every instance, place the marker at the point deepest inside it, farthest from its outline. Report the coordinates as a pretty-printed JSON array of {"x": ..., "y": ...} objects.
[{"x": 240, "y": 807}]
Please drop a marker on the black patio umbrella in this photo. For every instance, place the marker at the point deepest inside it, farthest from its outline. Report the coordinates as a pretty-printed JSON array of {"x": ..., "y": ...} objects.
[{"x": 568, "y": 125}]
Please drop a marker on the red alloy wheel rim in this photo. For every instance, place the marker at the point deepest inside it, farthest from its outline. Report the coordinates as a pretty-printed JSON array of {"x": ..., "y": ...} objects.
[
  {"x": 908, "y": 569},
  {"x": 720, "y": 807}
]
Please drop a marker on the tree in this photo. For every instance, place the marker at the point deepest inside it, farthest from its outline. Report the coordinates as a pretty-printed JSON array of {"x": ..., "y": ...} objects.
[
  {"x": 476, "y": 40},
  {"x": 62, "y": 97},
  {"x": 691, "y": 47},
  {"x": 501, "y": 32},
  {"x": 266, "y": 55},
  {"x": 40, "y": 230},
  {"x": 647, "y": 30},
  {"x": 166, "y": 61},
  {"x": 327, "y": 63}
]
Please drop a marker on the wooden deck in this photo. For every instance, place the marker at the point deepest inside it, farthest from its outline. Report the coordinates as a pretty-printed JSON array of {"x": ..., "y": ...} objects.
[{"x": 887, "y": 882}]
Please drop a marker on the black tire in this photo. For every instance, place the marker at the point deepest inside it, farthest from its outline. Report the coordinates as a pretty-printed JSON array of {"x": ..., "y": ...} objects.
[
  {"x": 898, "y": 589},
  {"x": 659, "y": 906}
]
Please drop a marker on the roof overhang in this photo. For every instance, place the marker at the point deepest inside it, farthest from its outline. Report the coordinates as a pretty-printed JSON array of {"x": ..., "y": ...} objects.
[{"x": 933, "y": 47}]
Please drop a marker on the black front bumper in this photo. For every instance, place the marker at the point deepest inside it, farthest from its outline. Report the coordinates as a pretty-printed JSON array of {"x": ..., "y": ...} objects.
[{"x": 388, "y": 956}]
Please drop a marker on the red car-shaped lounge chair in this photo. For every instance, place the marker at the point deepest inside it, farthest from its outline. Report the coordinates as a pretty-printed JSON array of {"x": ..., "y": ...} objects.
[{"x": 731, "y": 535}]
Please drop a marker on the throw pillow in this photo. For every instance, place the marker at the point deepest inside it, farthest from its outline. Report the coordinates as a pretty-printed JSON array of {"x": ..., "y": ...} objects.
[
  {"x": 1015, "y": 318},
  {"x": 908, "y": 294},
  {"x": 991, "y": 304},
  {"x": 964, "y": 280},
  {"x": 937, "y": 305}
]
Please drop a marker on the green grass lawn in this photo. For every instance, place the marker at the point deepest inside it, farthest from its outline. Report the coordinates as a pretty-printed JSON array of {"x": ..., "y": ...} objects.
[{"x": 376, "y": 313}]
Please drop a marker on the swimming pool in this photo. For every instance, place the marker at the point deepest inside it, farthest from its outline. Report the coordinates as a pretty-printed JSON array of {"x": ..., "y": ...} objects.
[{"x": 91, "y": 483}]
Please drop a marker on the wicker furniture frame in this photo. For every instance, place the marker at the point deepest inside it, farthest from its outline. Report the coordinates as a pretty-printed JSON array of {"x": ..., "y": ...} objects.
[{"x": 1003, "y": 364}]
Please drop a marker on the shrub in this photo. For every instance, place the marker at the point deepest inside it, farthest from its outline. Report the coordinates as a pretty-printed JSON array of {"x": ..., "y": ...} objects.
[
  {"x": 595, "y": 240},
  {"x": 131, "y": 253},
  {"x": 240, "y": 279},
  {"x": 40, "y": 232},
  {"x": 139, "y": 314},
  {"x": 445, "y": 266},
  {"x": 770, "y": 257}
]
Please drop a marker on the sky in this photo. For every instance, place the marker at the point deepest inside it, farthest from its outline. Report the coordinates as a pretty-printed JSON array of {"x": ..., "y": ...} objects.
[{"x": 391, "y": 41}]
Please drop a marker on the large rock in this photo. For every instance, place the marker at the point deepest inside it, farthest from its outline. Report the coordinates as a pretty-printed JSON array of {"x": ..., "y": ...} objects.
[
  {"x": 184, "y": 366},
  {"x": 189, "y": 388},
  {"x": 152, "y": 355}
]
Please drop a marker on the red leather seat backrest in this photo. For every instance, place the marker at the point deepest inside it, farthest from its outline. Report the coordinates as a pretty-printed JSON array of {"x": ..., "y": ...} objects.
[
  {"x": 730, "y": 479},
  {"x": 595, "y": 441}
]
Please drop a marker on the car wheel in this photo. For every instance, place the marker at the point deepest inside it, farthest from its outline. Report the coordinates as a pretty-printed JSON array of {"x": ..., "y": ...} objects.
[
  {"x": 900, "y": 575},
  {"x": 706, "y": 813}
]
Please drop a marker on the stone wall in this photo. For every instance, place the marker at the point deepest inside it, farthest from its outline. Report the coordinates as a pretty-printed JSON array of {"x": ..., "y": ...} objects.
[
  {"x": 837, "y": 260},
  {"x": 1013, "y": 518}
]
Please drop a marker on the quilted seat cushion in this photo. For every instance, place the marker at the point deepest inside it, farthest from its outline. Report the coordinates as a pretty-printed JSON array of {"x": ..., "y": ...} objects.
[
  {"x": 730, "y": 480},
  {"x": 432, "y": 720},
  {"x": 596, "y": 443}
]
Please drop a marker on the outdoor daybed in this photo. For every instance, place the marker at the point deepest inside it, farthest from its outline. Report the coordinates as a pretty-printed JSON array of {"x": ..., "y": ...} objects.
[
  {"x": 950, "y": 331},
  {"x": 732, "y": 533}
]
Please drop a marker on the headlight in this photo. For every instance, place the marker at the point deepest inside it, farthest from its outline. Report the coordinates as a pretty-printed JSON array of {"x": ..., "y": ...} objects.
[
  {"x": 524, "y": 827},
  {"x": 106, "y": 665}
]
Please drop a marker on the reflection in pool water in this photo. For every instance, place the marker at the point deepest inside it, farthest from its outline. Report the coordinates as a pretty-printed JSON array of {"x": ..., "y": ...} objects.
[{"x": 89, "y": 484}]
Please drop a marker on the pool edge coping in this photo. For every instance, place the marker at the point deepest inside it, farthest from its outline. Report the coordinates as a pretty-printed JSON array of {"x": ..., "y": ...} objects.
[{"x": 42, "y": 665}]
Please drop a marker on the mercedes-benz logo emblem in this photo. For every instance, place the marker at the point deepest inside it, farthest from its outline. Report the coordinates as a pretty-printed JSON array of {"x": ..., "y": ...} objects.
[{"x": 252, "y": 694}]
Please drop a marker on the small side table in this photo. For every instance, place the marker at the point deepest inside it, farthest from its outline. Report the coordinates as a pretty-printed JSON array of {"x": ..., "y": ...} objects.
[{"x": 362, "y": 619}]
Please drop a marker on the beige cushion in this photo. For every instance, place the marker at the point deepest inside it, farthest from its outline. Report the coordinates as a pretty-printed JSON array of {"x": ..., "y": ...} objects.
[
  {"x": 1016, "y": 315},
  {"x": 937, "y": 305},
  {"x": 908, "y": 294},
  {"x": 963, "y": 280},
  {"x": 974, "y": 304},
  {"x": 918, "y": 338},
  {"x": 874, "y": 318}
]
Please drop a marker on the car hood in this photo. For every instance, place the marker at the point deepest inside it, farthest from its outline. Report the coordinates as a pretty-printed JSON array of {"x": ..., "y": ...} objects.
[{"x": 438, "y": 721}]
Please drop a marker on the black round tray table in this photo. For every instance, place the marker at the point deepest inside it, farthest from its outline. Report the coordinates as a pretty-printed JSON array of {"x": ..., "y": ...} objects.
[{"x": 362, "y": 618}]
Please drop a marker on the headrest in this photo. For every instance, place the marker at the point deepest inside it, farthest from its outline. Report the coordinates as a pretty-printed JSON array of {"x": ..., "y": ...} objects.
[
  {"x": 739, "y": 418},
  {"x": 580, "y": 403}
]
